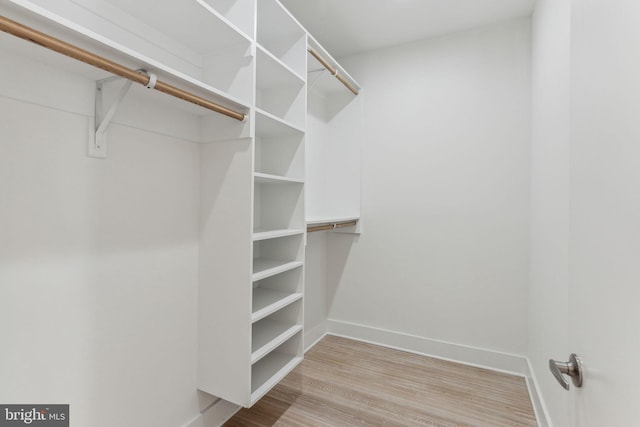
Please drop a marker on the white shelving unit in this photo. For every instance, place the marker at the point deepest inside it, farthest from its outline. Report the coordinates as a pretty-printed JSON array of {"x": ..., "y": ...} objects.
[
  {"x": 279, "y": 90},
  {"x": 278, "y": 197},
  {"x": 252, "y": 289},
  {"x": 251, "y": 56}
]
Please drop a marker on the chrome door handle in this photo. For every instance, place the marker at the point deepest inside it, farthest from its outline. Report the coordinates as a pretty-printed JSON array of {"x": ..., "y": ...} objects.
[{"x": 572, "y": 368}]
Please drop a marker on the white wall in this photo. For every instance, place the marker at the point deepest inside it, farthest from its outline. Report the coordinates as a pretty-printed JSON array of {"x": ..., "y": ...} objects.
[
  {"x": 445, "y": 195},
  {"x": 548, "y": 293},
  {"x": 98, "y": 258}
]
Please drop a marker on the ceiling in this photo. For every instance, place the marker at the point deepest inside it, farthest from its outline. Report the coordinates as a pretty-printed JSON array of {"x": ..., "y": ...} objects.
[{"x": 345, "y": 27}]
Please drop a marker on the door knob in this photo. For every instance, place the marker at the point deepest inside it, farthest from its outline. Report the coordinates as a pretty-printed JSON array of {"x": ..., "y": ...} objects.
[{"x": 572, "y": 368}]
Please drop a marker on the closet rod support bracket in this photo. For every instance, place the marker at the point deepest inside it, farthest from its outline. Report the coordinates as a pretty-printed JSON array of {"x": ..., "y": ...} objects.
[{"x": 98, "y": 125}]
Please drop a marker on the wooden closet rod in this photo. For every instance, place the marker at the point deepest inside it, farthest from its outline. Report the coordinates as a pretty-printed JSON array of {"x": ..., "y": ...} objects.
[
  {"x": 331, "y": 226},
  {"x": 332, "y": 70},
  {"x": 45, "y": 40}
]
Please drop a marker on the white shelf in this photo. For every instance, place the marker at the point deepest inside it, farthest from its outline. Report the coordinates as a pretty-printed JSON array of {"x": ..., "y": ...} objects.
[
  {"x": 272, "y": 72},
  {"x": 267, "y": 301},
  {"x": 241, "y": 13},
  {"x": 44, "y": 20},
  {"x": 269, "y": 125},
  {"x": 266, "y": 178},
  {"x": 207, "y": 30},
  {"x": 279, "y": 90},
  {"x": 274, "y": 234},
  {"x": 263, "y": 268},
  {"x": 275, "y": 22},
  {"x": 270, "y": 371},
  {"x": 266, "y": 335},
  {"x": 280, "y": 33}
]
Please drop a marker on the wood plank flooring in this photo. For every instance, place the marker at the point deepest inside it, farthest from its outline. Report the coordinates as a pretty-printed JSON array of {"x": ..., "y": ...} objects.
[{"x": 343, "y": 382}]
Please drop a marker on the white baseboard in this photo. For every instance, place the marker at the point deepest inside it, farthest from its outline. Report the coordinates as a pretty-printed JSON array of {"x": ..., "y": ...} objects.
[
  {"x": 482, "y": 358},
  {"x": 215, "y": 415},
  {"x": 539, "y": 408},
  {"x": 313, "y": 335}
]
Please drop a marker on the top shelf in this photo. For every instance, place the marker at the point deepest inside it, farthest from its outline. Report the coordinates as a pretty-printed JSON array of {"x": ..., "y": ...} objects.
[
  {"x": 280, "y": 34},
  {"x": 239, "y": 12},
  {"x": 206, "y": 32},
  {"x": 47, "y": 21}
]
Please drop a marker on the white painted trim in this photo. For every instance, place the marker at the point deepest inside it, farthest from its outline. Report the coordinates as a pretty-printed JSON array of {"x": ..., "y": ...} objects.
[
  {"x": 473, "y": 356},
  {"x": 215, "y": 415},
  {"x": 313, "y": 335},
  {"x": 537, "y": 401}
]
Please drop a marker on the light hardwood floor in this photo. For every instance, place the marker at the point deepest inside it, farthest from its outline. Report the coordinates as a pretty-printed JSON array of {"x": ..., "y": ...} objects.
[{"x": 343, "y": 382}]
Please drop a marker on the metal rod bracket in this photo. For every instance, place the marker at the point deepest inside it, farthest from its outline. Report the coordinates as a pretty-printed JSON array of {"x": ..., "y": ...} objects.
[{"x": 97, "y": 147}]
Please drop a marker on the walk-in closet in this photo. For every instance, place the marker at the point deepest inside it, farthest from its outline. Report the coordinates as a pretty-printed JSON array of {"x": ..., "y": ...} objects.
[{"x": 319, "y": 213}]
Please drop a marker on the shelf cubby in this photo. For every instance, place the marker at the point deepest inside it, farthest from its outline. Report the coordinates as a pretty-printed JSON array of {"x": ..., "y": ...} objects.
[
  {"x": 272, "y": 368},
  {"x": 241, "y": 13},
  {"x": 279, "y": 148},
  {"x": 279, "y": 33},
  {"x": 279, "y": 91},
  {"x": 272, "y": 331},
  {"x": 278, "y": 205},
  {"x": 276, "y": 292}
]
